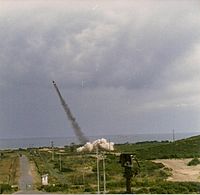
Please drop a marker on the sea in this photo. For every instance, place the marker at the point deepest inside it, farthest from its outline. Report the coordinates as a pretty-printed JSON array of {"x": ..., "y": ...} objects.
[{"x": 15, "y": 143}]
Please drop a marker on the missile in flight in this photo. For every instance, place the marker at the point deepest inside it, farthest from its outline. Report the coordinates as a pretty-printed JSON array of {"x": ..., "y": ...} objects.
[{"x": 77, "y": 130}]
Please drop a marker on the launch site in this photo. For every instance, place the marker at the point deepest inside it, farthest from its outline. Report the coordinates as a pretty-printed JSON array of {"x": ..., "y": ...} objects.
[{"x": 99, "y": 97}]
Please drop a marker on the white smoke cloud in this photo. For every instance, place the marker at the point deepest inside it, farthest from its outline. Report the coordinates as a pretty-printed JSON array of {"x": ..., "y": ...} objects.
[{"x": 101, "y": 144}]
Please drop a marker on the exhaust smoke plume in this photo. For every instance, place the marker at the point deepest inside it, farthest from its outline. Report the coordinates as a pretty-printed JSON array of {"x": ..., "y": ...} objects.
[
  {"x": 101, "y": 144},
  {"x": 81, "y": 137}
]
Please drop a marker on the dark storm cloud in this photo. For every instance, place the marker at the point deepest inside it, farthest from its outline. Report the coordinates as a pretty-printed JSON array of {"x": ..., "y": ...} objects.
[
  {"x": 114, "y": 62},
  {"x": 88, "y": 48}
]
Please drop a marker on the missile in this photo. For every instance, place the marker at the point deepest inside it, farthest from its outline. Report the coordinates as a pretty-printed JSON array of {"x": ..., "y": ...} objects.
[
  {"x": 70, "y": 117},
  {"x": 59, "y": 94}
]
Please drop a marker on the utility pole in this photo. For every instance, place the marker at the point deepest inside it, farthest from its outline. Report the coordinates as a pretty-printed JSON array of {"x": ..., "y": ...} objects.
[
  {"x": 173, "y": 135},
  {"x": 98, "y": 188},
  {"x": 60, "y": 162},
  {"x": 101, "y": 157},
  {"x": 104, "y": 175},
  {"x": 52, "y": 148}
]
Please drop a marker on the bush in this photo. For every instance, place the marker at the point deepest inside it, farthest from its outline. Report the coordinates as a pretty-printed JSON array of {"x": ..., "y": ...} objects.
[
  {"x": 142, "y": 191},
  {"x": 164, "y": 173},
  {"x": 65, "y": 169},
  {"x": 88, "y": 188},
  {"x": 158, "y": 190},
  {"x": 180, "y": 187},
  {"x": 114, "y": 184},
  {"x": 5, "y": 188},
  {"x": 193, "y": 162},
  {"x": 56, "y": 188}
]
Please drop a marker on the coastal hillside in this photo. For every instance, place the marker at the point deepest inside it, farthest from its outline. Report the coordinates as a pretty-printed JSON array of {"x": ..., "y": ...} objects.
[
  {"x": 163, "y": 168},
  {"x": 185, "y": 148}
]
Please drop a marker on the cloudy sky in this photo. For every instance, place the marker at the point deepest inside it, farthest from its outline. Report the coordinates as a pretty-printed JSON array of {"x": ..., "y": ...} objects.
[{"x": 123, "y": 67}]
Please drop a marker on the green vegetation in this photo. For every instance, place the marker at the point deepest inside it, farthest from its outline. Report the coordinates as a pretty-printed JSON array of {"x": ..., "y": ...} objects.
[
  {"x": 75, "y": 173},
  {"x": 70, "y": 172},
  {"x": 9, "y": 170},
  {"x": 5, "y": 188},
  {"x": 81, "y": 176},
  {"x": 186, "y": 148},
  {"x": 194, "y": 161},
  {"x": 161, "y": 187}
]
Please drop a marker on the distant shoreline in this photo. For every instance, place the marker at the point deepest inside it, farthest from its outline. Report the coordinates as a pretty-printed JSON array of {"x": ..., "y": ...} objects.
[{"x": 14, "y": 143}]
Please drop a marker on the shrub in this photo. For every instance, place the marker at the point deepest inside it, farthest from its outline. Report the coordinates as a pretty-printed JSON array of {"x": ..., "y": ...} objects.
[
  {"x": 88, "y": 188},
  {"x": 164, "y": 173},
  {"x": 142, "y": 191},
  {"x": 56, "y": 188},
  {"x": 158, "y": 190},
  {"x": 5, "y": 188},
  {"x": 65, "y": 169},
  {"x": 194, "y": 161}
]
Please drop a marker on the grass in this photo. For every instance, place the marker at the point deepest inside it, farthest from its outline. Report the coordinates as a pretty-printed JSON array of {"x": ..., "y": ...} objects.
[
  {"x": 195, "y": 161},
  {"x": 76, "y": 170},
  {"x": 9, "y": 167},
  {"x": 185, "y": 148},
  {"x": 78, "y": 173},
  {"x": 74, "y": 173},
  {"x": 9, "y": 170},
  {"x": 161, "y": 187}
]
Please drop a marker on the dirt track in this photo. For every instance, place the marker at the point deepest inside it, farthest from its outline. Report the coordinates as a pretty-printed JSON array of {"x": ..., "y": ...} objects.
[{"x": 180, "y": 170}]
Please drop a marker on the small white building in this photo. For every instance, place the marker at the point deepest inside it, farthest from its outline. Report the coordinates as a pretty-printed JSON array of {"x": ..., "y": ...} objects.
[{"x": 45, "y": 179}]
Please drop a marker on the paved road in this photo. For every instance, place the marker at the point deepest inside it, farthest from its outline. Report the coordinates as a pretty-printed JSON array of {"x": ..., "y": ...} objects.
[{"x": 26, "y": 178}]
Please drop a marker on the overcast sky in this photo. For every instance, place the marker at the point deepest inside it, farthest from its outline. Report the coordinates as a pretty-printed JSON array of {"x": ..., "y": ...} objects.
[{"x": 123, "y": 67}]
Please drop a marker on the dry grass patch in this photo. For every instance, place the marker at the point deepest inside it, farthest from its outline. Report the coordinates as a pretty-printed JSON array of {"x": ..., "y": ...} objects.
[{"x": 9, "y": 168}]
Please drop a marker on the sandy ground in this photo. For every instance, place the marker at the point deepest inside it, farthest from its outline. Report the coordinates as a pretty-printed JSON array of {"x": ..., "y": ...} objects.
[{"x": 180, "y": 170}]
